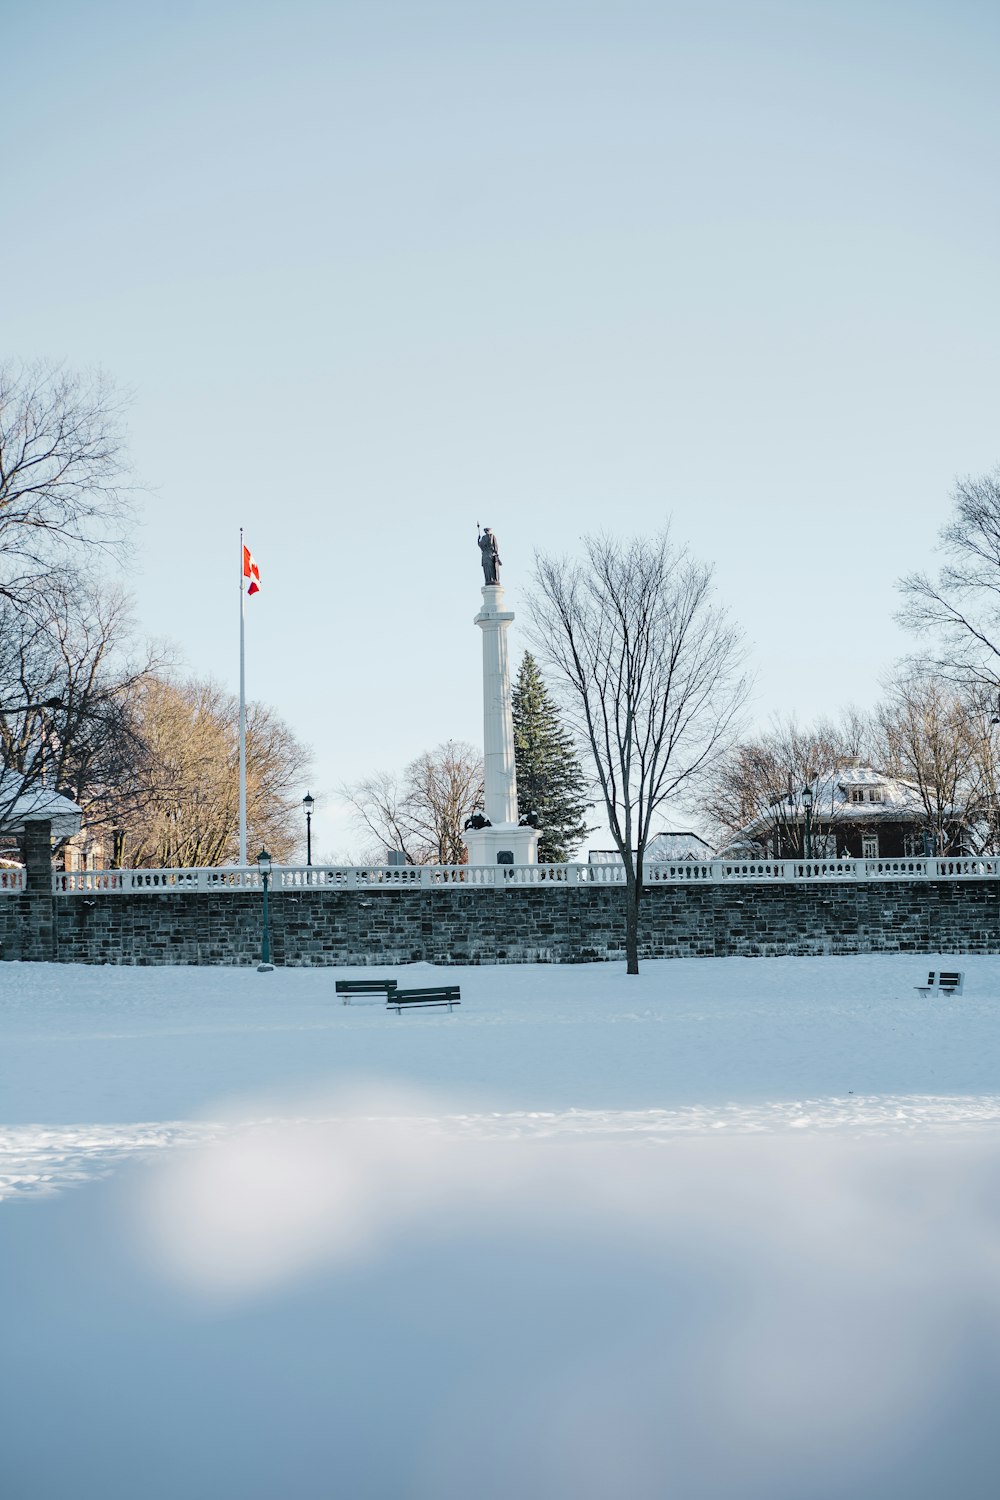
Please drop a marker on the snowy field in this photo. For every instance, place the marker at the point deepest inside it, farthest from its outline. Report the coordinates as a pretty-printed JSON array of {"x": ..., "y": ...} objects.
[{"x": 730, "y": 1229}]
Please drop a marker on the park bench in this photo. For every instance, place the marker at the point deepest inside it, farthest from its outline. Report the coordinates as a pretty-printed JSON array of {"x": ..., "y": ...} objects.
[
  {"x": 438, "y": 994},
  {"x": 948, "y": 982},
  {"x": 348, "y": 987}
]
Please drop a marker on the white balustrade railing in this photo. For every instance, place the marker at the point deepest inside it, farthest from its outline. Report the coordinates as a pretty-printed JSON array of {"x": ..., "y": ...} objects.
[
  {"x": 424, "y": 877},
  {"x": 969, "y": 866}
]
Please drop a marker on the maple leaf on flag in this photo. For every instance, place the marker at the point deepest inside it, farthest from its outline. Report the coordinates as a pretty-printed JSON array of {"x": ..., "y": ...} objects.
[{"x": 251, "y": 571}]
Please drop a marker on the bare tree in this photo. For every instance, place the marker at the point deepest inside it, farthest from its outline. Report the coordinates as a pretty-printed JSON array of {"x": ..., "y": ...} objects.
[
  {"x": 961, "y": 605},
  {"x": 982, "y": 813},
  {"x": 380, "y": 811},
  {"x": 759, "y": 782},
  {"x": 929, "y": 739},
  {"x": 186, "y": 805},
  {"x": 939, "y": 736},
  {"x": 422, "y": 812},
  {"x": 64, "y": 474},
  {"x": 652, "y": 672},
  {"x": 67, "y": 672},
  {"x": 64, "y": 491}
]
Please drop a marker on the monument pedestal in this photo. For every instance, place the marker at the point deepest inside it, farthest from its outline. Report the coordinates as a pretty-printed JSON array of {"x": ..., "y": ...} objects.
[{"x": 486, "y": 845}]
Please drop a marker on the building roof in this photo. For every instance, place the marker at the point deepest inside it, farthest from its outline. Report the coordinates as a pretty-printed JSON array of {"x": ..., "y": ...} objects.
[
  {"x": 861, "y": 776},
  {"x": 669, "y": 846},
  {"x": 36, "y": 805},
  {"x": 663, "y": 848},
  {"x": 898, "y": 801}
]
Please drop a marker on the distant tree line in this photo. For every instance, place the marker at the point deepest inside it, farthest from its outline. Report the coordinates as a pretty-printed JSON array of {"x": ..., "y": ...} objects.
[
  {"x": 937, "y": 723},
  {"x": 183, "y": 806},
  {"x": 927, "y": 731},
  {"x": 420, "y": 811}
]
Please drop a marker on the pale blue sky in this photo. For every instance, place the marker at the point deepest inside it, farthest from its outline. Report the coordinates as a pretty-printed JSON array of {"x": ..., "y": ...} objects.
[{"x": 375, "y": 272}]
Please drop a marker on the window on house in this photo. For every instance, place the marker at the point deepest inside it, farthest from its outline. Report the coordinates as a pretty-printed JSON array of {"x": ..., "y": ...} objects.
[
  {"x": 856, "y": 793},
  {"x": 875, "y": 794}
]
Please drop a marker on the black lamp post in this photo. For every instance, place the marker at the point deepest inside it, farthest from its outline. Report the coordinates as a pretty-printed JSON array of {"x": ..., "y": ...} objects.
[
  {"x": 264, "y": 866},
  {"x": 807, "y": 802},
  {"x": 309, "y": 802}
]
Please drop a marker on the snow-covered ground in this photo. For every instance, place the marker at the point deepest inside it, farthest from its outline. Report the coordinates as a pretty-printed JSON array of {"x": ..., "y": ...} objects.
[{"x": 728, "y": 1229}]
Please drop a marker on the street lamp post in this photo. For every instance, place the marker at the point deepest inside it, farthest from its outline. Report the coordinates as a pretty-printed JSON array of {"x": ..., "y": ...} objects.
[
  {"x": 308, "y": 802},
  {"x": 264, "y": 866},
  {"x": 807, "y": 802}
]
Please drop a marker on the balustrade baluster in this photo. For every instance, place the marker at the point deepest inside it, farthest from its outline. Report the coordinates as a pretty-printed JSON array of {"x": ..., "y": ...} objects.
[{"x": 388, "y": 878}]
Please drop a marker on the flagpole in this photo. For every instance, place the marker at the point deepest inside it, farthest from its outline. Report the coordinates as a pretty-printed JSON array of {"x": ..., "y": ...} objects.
[{"x": 243, "y": 722}]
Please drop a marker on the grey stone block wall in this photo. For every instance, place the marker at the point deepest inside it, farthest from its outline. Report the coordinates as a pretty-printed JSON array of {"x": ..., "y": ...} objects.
[{"x": 575, "y": 924}]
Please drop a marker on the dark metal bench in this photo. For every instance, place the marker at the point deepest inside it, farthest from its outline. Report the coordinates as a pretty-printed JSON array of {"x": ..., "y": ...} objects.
[
  {"x": 438, "y": 994},
  {"x": 348, "y": 987},
  {"x": 948, "y": 983}
]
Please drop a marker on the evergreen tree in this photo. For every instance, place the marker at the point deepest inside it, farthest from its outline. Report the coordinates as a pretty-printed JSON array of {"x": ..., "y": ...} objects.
[{"x": 550, "y": 779}]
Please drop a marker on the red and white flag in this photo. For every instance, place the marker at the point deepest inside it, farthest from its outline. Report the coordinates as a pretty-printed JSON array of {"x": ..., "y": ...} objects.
[{"x": 251, "y": 571}]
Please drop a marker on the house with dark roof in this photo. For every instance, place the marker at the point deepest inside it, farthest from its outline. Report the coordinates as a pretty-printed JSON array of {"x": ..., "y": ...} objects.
[{"x": 855, "y": 812}]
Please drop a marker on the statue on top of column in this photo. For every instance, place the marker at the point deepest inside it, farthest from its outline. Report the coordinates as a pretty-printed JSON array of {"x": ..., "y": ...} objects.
[{"x": 490, "y": 555}]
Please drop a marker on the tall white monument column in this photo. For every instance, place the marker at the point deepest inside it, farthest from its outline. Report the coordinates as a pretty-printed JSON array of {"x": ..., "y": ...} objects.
[{"x": 505, "y": 842}]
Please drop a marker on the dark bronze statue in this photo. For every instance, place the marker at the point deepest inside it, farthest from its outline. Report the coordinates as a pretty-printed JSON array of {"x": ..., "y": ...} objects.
[{"x": 490, "y": 555}]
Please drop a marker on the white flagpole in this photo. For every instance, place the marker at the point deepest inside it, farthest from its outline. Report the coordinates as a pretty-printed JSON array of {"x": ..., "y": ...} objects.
[{"x": 243, "y": 723}]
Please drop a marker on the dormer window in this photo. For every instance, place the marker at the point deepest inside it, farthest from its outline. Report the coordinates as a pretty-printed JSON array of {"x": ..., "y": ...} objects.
[
  {"x": 866, "y": 794},
  {"x": 875, "y": 794},
  {"x": 856, "y": 793}
]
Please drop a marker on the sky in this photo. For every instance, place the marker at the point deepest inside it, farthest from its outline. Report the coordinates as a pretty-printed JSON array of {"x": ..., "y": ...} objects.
[{"x": 375, "y": 273}]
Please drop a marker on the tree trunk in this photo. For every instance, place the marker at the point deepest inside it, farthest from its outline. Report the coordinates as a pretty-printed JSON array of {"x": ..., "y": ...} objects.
[{"x": 631, "y": 924}]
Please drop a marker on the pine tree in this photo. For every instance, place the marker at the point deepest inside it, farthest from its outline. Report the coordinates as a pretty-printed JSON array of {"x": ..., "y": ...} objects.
[{"x": 550, "y": 779}]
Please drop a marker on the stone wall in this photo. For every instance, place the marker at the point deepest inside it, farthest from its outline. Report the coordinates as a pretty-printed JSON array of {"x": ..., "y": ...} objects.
[{"x": 574, "y": 924}]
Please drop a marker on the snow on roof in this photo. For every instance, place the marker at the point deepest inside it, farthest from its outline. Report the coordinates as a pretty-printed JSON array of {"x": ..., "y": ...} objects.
[
  {"x": 671, "y": 846},
  {"x": 858, "y": 776},
  {"x": 876, "y": 796},
  {"x": 18, "y": 807},
  {"x": 665, "y": 847},
  {"x": 832, "y": 793}
]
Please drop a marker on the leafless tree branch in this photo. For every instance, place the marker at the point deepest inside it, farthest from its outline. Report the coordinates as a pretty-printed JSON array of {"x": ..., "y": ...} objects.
[
  {"x": 652, "y": 675},
  {"x": 423, "y": 811}
]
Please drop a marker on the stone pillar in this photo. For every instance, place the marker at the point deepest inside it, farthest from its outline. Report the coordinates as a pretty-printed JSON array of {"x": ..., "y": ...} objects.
[
  {"x": 505, "y": 842},
  {"x": 36, "y": 842}
]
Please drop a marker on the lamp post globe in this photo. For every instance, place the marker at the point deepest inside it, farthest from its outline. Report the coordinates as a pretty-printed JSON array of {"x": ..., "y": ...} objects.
[
  {"x": 309, "y": 802},
  {"x": 264, "y": 866}
]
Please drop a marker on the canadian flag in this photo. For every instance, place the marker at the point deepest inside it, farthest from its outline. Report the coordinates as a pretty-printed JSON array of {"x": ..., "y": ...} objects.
[{"x": 251, "y": 571}]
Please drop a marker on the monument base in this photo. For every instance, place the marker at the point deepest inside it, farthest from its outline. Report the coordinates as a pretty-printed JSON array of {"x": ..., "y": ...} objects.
[{"x": 518, "y": 845}]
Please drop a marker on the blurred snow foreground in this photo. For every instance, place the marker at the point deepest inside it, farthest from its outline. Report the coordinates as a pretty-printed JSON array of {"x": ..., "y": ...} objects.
[{"x": 538, "y": 1259}]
